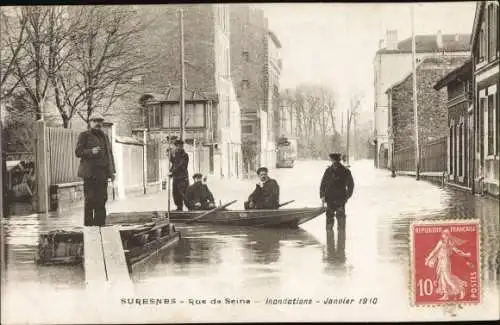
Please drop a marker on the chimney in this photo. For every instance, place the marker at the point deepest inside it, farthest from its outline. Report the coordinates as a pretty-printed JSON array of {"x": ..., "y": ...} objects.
[
  {"x": 380, "y": 44},
  {"x": 392, "y": 39},
  {"x": 439, "y": 39}
]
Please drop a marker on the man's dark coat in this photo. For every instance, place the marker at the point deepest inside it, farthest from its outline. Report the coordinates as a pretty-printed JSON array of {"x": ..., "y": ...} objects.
[
  {"x": 337, "y": 185},
  {"x": 267, "y": 196},
  {"x": 101, "y": 165}
]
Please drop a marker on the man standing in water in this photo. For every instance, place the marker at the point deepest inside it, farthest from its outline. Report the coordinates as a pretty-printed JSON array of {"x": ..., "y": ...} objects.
[
  {"x": 336, "y": 188},
  {"x": 179, "y": 161},
  {"x": 96, "y": 167}
]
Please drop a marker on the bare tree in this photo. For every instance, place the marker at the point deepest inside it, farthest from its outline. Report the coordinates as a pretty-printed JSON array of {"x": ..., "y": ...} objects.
[
  {"x": 34, "y": 63},
  {"x": 12, "y": 40},
  {"x": 352, "y": 112},
  {"x": 104, "y": 59},
  {"x": 314, "y": 108}
]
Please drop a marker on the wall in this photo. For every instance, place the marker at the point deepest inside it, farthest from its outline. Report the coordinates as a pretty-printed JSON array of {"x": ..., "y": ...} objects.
[
  {"x": 248, "y": 64},
  {"x": 432, "y": 109},
  {"x": 229, "y": 124},
  {"x": 389, "y": 69}
]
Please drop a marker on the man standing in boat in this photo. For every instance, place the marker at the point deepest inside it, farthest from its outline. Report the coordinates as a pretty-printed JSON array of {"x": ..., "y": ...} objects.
[
  {"x": 266, "y": 194},
  {"x": 179, "y": 172},
  {"x": 96, "y": 167},
  {"x": 198, "y": 195},
  {"x": 337, "y": 186}
]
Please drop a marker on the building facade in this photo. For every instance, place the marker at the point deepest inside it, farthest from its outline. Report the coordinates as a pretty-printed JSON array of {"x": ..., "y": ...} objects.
[
  {"x": 485, "y": 63},
  {"x": 256, "y": 69},
  {"x": 207, "y": 77},
  {"x": 393, "y": 62},
  {"x": 460, "y": 122},
  {"x": 432, "y": 109}
]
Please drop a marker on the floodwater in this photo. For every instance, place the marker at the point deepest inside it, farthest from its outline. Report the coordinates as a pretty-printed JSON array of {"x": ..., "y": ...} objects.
[{"x": 227, "y": 274}]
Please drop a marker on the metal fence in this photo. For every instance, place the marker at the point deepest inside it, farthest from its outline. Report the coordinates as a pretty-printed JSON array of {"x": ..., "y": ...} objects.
[{"x": 432, "y": 157}]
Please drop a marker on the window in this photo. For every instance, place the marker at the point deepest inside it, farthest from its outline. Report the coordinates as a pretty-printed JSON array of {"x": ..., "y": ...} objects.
[
  {"x": 498, "y": 123},
  {"x": 492, "y": 32},
  {"x": 228, "y": 62},
  {"x": 171, "y": 116},
  {"x": 246, "y": 56},
  {"x": 491, "y": 126},
  {"x": 154, "y": 116},
  {"x": 482, "y": 108},
  {"x": 228, "y": 112},
  {"x": 195, "y": 115},
  {"x": 245, "y": 84},
  {"x": 460, "y": 149},
  {"x": 482, "y": 44},
  {"x": 246, "y": 129}
]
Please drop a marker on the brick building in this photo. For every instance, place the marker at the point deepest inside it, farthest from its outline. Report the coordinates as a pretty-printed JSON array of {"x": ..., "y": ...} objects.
[
  {"x": 432, "y": 109},
  {"x": 207, "y": 75},
  {"x": 458, "y": 85},
  {"x": 256, "y": 69},
  {"x": 392, "y": 62},
  {"x": 485, "y": 67}
]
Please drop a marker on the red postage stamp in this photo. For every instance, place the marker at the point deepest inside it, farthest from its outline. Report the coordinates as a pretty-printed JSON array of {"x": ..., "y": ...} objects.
[{"x": 445, "y": 262}]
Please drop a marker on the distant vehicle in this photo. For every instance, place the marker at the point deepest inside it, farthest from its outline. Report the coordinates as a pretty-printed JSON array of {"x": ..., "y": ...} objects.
[{"x": 286, "y": 152}]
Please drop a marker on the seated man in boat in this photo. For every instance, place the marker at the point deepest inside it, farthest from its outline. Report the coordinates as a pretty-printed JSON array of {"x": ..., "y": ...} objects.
[
  {"x": 198, "y": 196},
  {"x": 266, "y": 194}
]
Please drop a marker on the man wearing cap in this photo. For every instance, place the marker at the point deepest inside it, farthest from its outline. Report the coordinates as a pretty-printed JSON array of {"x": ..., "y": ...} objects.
[
  {"x": 96, "y": 167},
  {"x": 198, "y": 196},
  {"x": 336, "y": 188},
  {"x": 179, "y": 161},
  {"x": 266, "y": 194}
]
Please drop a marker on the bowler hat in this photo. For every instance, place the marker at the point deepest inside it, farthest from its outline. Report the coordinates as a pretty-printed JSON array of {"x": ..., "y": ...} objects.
[
  {"x": 335, "y": 156},
  {"x": 197, "y": 175},
  {"x": 262, "y": 169},
  {"x": 178, "y": 142}
]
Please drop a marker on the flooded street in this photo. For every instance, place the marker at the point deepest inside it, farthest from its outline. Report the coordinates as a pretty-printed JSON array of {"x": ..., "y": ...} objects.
[{"x": 249, "y": 265}]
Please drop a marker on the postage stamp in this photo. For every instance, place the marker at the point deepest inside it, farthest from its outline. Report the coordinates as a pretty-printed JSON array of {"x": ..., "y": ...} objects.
[{"x": 445, "y": 262}]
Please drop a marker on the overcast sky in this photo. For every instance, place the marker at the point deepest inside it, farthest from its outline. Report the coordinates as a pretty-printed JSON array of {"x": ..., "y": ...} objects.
[{"x": 334, "y": 44}]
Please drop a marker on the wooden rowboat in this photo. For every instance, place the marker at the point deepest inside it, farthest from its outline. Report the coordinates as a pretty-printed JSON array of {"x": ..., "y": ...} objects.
[
  {"x": 281, "y": 218},
  {"x": 140, "y": 242}
]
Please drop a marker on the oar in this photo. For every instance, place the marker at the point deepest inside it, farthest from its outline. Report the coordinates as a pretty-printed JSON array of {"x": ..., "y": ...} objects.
[
  {"x": 211, "y": 211},
  {"x": 286, "y": 203}
]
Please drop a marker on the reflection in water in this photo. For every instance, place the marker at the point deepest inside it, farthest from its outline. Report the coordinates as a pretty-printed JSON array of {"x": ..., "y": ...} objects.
[
  {"x": 334, "y": 253},
  {"x": 204, "y": 249}
]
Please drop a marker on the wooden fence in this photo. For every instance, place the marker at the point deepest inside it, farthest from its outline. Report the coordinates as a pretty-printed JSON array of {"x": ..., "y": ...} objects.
[
  {"x": 432, "y": 157},
  {"x": 62, "y": 162}
]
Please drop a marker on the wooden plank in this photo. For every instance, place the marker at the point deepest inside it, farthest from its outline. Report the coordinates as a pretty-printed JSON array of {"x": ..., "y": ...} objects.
[
  {"x": 114, "y": 255},
  {"x": 95, "y": 272}
]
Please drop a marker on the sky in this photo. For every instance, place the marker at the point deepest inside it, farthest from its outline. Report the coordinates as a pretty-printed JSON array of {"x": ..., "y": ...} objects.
[{"x": 335, "y": 43}]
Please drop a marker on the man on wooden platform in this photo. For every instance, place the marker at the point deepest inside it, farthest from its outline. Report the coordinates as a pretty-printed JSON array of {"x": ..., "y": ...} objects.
[
  {"x": 198, "y": 195},
  {"x": 266, "y": 194},
  {"x": 96, "y": 167}
]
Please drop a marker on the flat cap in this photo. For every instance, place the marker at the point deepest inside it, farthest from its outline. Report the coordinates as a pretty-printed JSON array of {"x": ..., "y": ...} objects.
[
  {"x": 335, "y": 156},
  {"x": 262, "y": 169}
]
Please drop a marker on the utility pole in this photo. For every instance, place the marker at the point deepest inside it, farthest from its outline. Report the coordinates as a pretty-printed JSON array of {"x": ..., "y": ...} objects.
[
  {"x": 182, "y": 83},
  {"x": 415, "y": 112}
]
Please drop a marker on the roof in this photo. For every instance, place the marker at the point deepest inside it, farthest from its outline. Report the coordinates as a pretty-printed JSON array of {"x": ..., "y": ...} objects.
[
  {"x": 427, "y": 43},
  {"x": 480, "y": 5},
  {"x": 274, "y": 38},
  {"x": 429, "y": 60},
  {"x": 172, "y": 94},
  {"x": 463, "y": 70}
]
